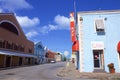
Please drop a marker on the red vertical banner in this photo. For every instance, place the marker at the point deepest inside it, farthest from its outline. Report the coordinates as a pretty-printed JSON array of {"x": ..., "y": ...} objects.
[
  {"x": 75, "y": 46},
  {"x": 72, "y": 27}
]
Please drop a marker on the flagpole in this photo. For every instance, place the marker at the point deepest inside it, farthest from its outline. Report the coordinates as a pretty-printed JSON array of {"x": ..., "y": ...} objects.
[
  {"x": 74, "y": 9},
  {"x": 75, "y": 17}
]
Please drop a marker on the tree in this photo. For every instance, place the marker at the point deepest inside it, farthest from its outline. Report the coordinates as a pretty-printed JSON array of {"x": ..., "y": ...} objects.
[{"x": 64, "y": 58}]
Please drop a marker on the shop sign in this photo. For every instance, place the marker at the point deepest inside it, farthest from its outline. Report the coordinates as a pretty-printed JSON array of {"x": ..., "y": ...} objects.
[{"x": 97, "y": 45}]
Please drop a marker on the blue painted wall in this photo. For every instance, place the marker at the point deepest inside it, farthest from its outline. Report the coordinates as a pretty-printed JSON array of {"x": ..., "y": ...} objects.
[
  {"x": 110, "y": 39},
  {"x": 39, "y": 52}
]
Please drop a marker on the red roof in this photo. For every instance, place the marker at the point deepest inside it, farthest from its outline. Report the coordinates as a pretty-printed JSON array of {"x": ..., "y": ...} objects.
[{"x": 51, "y": 54}]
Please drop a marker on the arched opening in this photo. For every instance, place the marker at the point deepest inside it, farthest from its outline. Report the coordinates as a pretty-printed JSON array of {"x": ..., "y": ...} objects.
[
  {"x": 10, "y": 27},
  {"x": 39, "y": 46}
]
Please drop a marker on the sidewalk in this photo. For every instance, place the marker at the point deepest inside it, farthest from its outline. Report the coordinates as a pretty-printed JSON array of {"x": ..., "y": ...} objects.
[{"x": 70, "y": 72}]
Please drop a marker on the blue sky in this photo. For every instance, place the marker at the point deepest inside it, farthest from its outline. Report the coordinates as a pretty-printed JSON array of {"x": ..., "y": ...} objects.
[{"x": 48, "y": 20}]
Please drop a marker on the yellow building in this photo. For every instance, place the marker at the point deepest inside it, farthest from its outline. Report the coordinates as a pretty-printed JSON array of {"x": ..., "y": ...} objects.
[{"x": 58, "y": 57}]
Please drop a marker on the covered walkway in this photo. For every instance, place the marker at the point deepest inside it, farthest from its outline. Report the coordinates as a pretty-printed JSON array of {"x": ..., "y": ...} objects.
[{"x": 13, "y": 59}]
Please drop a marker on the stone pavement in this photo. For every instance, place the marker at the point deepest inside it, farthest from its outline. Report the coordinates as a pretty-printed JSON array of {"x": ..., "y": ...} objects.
[{"x": 69, "y": 72}]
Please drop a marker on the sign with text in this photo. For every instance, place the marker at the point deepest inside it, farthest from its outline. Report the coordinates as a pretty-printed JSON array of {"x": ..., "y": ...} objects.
[
  {"x": 72, "y": 27},
  {"x": 97, "y": 45}
]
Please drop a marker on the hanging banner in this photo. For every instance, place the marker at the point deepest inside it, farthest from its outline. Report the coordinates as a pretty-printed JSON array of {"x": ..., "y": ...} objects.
[
  {"x": 72, "y": 27},
  {"x": 75, "y": 46}
]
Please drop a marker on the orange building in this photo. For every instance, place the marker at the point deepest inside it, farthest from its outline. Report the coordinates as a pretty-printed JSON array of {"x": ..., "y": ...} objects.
[{"x": 15, "y": 49}]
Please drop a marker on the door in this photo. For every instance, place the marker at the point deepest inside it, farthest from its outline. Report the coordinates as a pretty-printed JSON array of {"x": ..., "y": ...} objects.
[
  {"x": 98, "y": 59},
  {"x": 8, "y": 61},
  {"x": 28, "y": 61},
  {"x": 20, "y": 61}
]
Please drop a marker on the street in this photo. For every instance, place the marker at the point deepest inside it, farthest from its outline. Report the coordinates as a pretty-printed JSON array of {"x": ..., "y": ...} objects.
[
  {"x": 37, "y": 72},
  {"x": 50, "y": 72}
]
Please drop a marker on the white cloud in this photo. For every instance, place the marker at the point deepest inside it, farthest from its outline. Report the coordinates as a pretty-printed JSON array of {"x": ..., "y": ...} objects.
[
  {"x": 44, "y": 29},
  {"x": 12, "y": 5},
  {"x": 25, "y": 21},
  {"x": 31, "y": 34},
  {"x": 61, "y": 23},
  {"x": 52, "y": 27},
  {"x": 1, "y": 10},
  {"x": 47, "y": 28}
]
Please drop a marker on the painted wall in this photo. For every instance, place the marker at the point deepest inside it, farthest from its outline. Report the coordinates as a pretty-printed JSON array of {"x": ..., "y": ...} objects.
[
  {"x": 39, "y": 52},
  {"x": 110, "y": 39}
]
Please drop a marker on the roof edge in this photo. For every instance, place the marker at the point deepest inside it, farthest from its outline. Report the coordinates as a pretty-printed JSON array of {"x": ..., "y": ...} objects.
[
  {"x": 100, "y": 12},
  {"x": 6, "y": 13}
]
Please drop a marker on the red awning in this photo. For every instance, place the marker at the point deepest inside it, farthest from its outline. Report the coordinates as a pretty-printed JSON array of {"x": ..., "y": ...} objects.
[
  {"x": 118, "y": 47},
  {"x": 75, "y": 46}
]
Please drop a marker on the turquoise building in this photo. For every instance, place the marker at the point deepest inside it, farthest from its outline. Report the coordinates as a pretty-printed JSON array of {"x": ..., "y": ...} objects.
[
  {"x": 98, "y": 33},
  {"x": 39, "y": 51}
]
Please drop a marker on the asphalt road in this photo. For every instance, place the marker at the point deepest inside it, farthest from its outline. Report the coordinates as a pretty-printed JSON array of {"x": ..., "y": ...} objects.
[{"x": 38, "y": 72}]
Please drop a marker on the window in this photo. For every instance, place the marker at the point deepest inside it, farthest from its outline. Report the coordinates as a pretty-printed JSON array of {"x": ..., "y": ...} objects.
[
  {"x": 1, "y": 43},
  {"x": 21, "y": 48},
  {"x": 9, "y": 45},
  {"x": 99, "y": 25},
  {"x": 16, "y": 47},
  {"x": 39, "y": 46},
  {"x": 30, "y": 50},
  {"x": 4, "y": 44}
]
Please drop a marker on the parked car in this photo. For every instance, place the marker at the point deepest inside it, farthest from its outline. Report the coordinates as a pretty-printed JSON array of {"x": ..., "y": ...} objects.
[{"x": 52, "y": 61}]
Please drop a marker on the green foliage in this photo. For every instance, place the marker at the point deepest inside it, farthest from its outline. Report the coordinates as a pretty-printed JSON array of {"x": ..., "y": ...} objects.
[
  {"x": 111, "y": 65},
  {"x": 65, "y": 58}
]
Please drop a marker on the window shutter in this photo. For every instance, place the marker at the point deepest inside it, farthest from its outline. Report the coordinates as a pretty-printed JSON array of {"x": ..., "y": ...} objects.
[{"x": 99, "y": 23}]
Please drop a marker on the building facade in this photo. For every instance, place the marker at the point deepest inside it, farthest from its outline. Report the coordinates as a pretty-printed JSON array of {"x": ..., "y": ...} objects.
[
  {"x": 15, "y": 49},
  {"x": 98, "y": 34},
  {"x": 50, "y": 56},
  {"x": 58, "y": 57},
  {"x": 39, "y": 51}
]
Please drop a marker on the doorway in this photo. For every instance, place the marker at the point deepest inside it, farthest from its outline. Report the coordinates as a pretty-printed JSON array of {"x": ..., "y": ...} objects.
[
  {"x": 98, "y": 58},
  {"x": 8, "y": 61},
  {"x": 20, "y": 61},
  {"x": 28, "y": 61}
]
